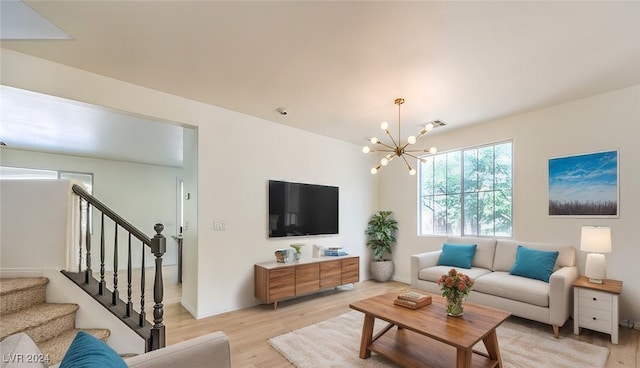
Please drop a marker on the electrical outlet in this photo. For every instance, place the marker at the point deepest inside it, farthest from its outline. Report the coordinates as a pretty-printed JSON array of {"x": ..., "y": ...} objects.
[{"x": 627, "y": 323}]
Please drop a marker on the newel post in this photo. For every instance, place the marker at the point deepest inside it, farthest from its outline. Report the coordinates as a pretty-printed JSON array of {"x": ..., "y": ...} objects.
[{"x": 158, "y": 248}]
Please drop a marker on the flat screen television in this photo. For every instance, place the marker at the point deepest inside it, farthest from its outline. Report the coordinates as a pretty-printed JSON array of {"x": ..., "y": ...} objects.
[{"x": 298, "y": 209}]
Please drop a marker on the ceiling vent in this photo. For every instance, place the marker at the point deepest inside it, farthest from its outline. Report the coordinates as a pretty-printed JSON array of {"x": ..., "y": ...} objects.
[{"x": 438, "y": 123}]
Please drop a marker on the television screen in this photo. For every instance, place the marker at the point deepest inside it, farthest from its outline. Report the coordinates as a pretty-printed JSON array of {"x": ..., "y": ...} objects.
[{"x": 298, "y": 209}]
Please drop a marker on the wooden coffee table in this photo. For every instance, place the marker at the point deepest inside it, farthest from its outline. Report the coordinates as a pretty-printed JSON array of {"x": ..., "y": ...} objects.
[{"x": 427, "y": 337}]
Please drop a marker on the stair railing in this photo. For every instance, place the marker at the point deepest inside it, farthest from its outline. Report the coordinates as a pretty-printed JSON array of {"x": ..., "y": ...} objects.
[{"x": 154, "y": 335}]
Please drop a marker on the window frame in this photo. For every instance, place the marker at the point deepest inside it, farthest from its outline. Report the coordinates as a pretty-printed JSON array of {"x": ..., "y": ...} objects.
[{"x": 462, "y": 193}]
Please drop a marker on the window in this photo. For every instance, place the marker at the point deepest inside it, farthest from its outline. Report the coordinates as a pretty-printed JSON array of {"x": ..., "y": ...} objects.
[
  {"x": 467, "y": 192},
  {"x": 9, "y": 173}
]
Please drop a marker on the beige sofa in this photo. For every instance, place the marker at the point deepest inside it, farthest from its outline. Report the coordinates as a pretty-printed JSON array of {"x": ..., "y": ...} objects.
[
  {"x": 211, "y": 350},
  {"x": 546, "y": 302}
]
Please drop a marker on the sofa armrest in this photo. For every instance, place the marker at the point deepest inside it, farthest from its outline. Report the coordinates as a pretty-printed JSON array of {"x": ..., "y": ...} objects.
[
  {"x": 560, "y": 294},
  {"x": 211, "y": 350},
  {"x": 423, "y": 260}
]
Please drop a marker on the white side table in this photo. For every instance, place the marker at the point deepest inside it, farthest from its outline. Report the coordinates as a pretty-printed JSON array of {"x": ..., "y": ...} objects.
[{"x": 595, "y": 306}]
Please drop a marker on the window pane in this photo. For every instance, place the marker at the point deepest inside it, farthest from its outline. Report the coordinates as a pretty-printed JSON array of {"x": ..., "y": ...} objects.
[
  {"x": 7, "y": 172},
  {"x": 427, "y": 215},
  {"x": 503, "y": 213},
  {"x": 485, "y": 168},
  {"x": 426, "y": 176},
  {"x": 470, "y": 159},
  {"x": 454, "y": 215},
  {"x": 471, "y": 214},
  {"x": 503, "y": 166},
  {"x": 440, "y": 215},
  {"x": 485, "y": 209},
  {"x": 454, "y": 172},
  {"x": 440, "y": 174}
]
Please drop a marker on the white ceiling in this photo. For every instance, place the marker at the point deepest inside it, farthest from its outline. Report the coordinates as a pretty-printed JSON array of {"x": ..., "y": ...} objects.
[{"x": 338, "y": 66}]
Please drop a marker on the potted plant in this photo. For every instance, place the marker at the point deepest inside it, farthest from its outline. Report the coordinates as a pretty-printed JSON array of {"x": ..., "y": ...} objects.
[{"x": 381, "y": 231}]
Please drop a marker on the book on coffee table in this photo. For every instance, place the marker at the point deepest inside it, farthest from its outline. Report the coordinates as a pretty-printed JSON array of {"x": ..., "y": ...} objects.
[{"x": 412, "y": 300}]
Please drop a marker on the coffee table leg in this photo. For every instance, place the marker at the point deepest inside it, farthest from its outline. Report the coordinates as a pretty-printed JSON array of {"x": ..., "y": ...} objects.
[
  {"x": 491, "y": 343},
  {"x": 463, "y": 358},
  {"x": 367, "y": 336}
]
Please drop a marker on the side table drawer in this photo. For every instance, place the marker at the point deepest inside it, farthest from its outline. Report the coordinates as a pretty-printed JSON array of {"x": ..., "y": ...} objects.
[
  {"x": 595, "y": 299},
  {"x": 596, "y": 319}
]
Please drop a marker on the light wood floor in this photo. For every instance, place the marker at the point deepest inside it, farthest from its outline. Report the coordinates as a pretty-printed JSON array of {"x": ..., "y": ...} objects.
[{"x": 249, "y": 329}]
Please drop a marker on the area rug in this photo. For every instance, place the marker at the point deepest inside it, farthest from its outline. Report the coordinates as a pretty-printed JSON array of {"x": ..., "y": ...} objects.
[{"x": 336, "y": 342}]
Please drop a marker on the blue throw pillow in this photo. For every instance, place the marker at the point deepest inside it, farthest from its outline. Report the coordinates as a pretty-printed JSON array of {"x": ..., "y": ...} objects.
[
  {"x": 534, "y": 263},
  {"x": 86, "y": 351},
  {"x": 457, "y": 255}
]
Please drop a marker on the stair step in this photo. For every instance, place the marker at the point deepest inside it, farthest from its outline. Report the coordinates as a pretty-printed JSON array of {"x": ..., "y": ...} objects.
[
  {"x": 41, "y": 321},
  {"x": 55, "y": 348},
  {"x": 21, "y": 293}
]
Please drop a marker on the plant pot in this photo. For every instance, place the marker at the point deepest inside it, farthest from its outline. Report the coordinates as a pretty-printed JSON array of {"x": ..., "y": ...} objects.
[{"x": 381, "y": 270}]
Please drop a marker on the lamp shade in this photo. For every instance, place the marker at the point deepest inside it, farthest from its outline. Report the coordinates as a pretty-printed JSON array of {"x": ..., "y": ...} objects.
[{"x": 595, "y": 239}]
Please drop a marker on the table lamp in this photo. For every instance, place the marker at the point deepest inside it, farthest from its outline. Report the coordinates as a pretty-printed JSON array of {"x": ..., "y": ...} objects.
[{"x": 596, "y": 240}]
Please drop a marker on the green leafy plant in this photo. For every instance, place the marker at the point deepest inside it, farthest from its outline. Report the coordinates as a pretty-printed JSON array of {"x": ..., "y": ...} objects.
[{"x": 381, "y": 231}]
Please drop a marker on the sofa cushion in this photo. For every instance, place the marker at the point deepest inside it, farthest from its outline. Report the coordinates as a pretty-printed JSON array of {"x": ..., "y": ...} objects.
[
  {"x": 485, "y": 250},
  {"x": 506, "y": 254},
  {"x": 457, "y": 255},
  {"x": 16, "y": 347},
  {"x": 433, "y": 273},
  {"x": 534, "y": 263},
  {"x": 86, "y": 351},
  {"x": 512, "y": 287}
]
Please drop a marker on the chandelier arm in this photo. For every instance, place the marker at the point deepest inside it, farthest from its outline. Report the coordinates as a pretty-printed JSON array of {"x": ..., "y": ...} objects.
[
  {"x": 392, "y": 140},
  {"x": 386, "y": 145},
  {"x": 416, "y": 157},
  {"x": 406, "y": 162}
]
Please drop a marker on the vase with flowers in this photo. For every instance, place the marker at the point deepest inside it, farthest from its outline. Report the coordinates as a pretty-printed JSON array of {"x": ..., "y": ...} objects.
[{"x": 455, "y": 287}]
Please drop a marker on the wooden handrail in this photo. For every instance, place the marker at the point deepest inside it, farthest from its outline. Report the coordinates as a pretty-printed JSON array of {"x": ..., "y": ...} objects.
[
  {"x": 111, "y": 214},
  {"x": 154, "y": 335}
]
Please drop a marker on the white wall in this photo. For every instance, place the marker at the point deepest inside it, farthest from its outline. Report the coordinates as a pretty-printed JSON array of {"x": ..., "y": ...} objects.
[
  {"x": 236, "y": 155},
  {"x": 34, "y": 221},
  {"x": 141, "y": 194},
  {"x": 603, "y": 122}
]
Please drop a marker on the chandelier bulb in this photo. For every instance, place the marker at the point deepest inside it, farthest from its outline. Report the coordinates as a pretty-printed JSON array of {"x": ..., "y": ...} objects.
[
  {"x": 384, "y": 125},
  {"x": 384, "y": 162},
  {"x": 374, "y": 140},
  {"x": 411, "y": 139},
  {"x": 428, "y": 127},
  {"x": 366, "y": 149},
  {"x": 433, "y": 150},
  {"x": 412, "y": 172},
  {"x": 374, "y": 170}
]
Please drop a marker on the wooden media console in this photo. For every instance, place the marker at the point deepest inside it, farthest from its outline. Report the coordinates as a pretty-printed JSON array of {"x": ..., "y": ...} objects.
[{"x": 277, "y": 281}]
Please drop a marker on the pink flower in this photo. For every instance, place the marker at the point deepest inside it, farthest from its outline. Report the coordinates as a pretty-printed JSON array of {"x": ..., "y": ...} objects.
[{"x": 455, "y": 284}]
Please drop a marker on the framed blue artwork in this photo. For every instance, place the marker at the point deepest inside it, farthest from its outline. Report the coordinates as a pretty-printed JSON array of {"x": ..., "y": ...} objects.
[{"x": 584, "y": 185}]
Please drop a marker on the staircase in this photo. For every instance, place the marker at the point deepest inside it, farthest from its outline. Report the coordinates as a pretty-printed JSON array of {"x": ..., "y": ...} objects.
[{"x": 23, "y": 308}]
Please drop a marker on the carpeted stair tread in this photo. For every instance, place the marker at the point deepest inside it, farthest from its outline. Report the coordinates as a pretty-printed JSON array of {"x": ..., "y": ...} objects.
[
  {"x": 9, "y": 285},
  {"x": 34, "y": 321},
  {"x": 21, "y": 293},
  {"x": 56, "y": 347}
]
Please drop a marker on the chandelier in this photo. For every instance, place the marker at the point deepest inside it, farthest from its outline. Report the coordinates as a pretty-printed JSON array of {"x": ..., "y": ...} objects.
[{"x": 398, "y": 150}]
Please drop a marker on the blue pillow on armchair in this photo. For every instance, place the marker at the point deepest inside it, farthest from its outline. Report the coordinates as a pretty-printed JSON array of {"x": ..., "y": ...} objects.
[
  {"x": 534, "y": 263},
  {"x": 457, "y": 255}
]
